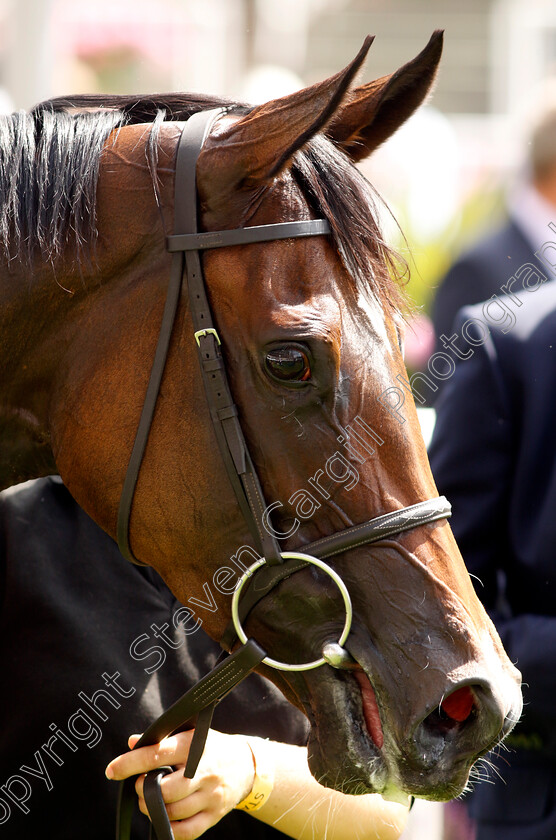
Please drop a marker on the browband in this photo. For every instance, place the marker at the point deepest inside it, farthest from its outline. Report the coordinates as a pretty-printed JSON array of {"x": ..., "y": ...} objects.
[{"x": 244, "y": 236}]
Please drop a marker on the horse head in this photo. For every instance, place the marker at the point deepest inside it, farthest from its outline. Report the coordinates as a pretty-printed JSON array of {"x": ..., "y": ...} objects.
[{"x": 311, "y": 333}]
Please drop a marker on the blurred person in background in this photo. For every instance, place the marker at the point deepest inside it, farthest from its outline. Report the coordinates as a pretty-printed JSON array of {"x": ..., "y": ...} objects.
[
  {"x": 497, "y": 264},
  {"x": 493, "y": 454}
]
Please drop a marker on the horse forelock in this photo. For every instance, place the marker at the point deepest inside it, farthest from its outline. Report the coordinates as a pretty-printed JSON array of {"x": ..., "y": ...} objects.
[{"x": 338, "y": 191}]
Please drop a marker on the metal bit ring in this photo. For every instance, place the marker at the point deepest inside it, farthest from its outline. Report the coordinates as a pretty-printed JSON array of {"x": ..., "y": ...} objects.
[{"x": 314, "y": 561}]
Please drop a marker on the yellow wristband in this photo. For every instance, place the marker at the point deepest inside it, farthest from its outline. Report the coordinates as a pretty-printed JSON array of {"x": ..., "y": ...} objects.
[{"x": 263, "y": 782}]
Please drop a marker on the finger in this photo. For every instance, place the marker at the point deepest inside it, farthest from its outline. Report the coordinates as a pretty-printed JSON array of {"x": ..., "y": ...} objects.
[
  {"x": 192, "y": 814},
  {"x": 172, "y": 750},
  {"x": 191, "y": 806},
  {"x": 132, "y": 740},
  {"x": 193, "y": 827},
  {"x": 139, "y": 782},
  {"x": 184, "y": 808},
  {"x": 173, "y": 786}
]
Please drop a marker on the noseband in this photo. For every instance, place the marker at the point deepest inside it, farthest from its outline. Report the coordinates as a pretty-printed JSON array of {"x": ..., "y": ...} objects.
[{"x": 273, "y": 565}]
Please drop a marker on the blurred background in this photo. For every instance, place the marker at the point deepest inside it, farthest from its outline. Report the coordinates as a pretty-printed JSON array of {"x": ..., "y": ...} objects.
[{"x": 444, "y": 175}]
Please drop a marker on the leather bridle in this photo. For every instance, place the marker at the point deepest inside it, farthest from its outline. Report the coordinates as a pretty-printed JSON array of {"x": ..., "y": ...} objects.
[{"x": 185, "y": 246}]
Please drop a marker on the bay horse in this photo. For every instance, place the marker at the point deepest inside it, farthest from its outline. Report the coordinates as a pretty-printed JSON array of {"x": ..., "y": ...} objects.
[{"x": 310, "y": 330}]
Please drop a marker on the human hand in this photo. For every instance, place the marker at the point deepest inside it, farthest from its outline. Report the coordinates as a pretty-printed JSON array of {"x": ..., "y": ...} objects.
[{"x": 224, "y": 777}]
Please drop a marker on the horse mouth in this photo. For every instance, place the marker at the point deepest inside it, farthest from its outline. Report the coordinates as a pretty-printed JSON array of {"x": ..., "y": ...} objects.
[
  {"x": 358, "y": 748},
  {"x": 379, "y": 781},
  {"x": 371, "y": 713},
  {"x": 350, "y": 756}
]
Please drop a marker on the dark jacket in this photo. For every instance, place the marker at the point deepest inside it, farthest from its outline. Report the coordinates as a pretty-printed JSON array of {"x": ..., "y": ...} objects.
[
  {"x": 493, "y": 454},
  {"x": 75, "y": 614},
  {"x": 478, "y": 274}
]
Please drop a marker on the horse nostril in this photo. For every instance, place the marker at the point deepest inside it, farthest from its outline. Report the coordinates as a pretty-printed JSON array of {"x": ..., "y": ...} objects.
[
  {"x": 444, "y": 727},
  {"x": 467, "y": 723},
  {"x": 459, "y": 704},
  {"x": 450, "y": 716}
]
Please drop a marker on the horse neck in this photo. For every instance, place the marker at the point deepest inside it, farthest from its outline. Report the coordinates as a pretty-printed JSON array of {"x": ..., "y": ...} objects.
[
  {"x": 42, "y": 306},
  {"x": 34, "y": 324}
]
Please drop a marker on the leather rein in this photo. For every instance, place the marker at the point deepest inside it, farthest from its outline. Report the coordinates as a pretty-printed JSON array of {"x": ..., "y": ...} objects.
[{"x": 196, "y": 706}]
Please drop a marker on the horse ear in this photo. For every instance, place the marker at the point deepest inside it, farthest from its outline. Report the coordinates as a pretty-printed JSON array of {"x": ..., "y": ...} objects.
[
  {"x": 378, "y": 108},
  {"x": 256, "y": 148}
]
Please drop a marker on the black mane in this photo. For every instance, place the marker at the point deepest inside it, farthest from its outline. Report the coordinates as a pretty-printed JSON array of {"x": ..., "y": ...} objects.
[
  {"x": 49, "y": 164},
  {"x": 48, "y": 172}
]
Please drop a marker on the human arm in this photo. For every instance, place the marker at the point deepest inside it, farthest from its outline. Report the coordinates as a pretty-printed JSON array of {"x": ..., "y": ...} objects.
[{"x": 297, "y": 806}]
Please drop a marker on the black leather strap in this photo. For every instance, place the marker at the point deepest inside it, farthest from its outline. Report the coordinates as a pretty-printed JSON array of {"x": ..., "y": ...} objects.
[
  {"x": 229, "y": 435},
  {"x": 147, "y": 413},
  {"x": 155, "y": 803},
  {"x": 379, "y": 528},
  {"x": 245, "y": 236},
  {"x": 210, "y": 690},
  {"x": 200, "y": 735}
]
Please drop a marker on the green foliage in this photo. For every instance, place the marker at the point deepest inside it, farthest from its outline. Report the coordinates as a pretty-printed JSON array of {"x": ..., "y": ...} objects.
[{"x": 429, "y": 260}]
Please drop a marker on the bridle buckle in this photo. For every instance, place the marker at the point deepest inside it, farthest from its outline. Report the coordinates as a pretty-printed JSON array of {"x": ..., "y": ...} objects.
[{"x": 202, "y": 333}]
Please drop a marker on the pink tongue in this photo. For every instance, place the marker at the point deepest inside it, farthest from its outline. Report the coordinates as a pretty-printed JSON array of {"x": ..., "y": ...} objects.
[
  {"x": 370, "y": 709},
  {"x": 459, "y": 704}
]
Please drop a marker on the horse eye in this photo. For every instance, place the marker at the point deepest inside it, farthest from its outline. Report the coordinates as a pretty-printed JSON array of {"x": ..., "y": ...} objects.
[{"x": 288, "y": 364}]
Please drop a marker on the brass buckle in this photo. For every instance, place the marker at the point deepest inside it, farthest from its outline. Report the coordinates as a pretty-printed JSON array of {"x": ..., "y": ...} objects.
[{"x": 201, "y": 333}]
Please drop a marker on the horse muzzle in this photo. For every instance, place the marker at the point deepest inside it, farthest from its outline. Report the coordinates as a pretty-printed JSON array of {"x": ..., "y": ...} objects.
[
  {"x": 376, "y": 748},
  {"x": 443, "y": 746}
]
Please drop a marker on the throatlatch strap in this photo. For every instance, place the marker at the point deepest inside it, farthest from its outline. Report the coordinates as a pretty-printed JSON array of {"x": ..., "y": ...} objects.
[{"x": 147, "y": 413}]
